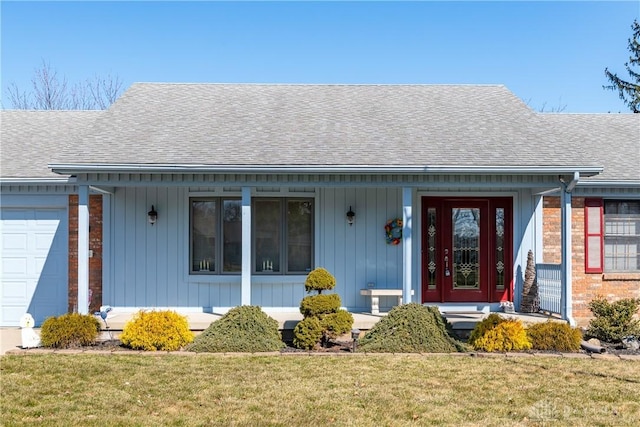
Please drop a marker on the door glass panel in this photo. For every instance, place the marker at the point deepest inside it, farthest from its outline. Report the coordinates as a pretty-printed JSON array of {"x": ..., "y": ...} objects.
[
  {"x": 499, "y": 255},
  {"x": 466, "y": 248},
  {"x": 431, "y": 249}
]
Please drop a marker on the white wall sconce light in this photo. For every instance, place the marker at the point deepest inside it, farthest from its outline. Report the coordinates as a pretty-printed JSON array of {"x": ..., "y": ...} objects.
[
  {"x": 351, "y": 216},
  {"x": 152, "y": 215}
]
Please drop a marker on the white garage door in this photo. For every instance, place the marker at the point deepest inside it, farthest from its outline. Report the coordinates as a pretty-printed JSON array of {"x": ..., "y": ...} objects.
[{"x": 33, "y": 264}]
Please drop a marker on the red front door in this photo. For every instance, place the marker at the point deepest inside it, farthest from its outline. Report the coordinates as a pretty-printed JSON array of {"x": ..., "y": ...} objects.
[{"x": 466, "y": 249}]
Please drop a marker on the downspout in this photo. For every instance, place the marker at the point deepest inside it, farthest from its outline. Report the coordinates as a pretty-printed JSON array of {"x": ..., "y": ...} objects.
[{"x": 566, "y": 267}]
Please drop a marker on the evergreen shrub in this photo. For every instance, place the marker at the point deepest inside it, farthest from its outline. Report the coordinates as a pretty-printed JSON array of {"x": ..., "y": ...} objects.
[
  {"x": 495, "y": 333},
  {"x": 69, "y": 330},
  {"x": 245, "y": 329},
  {"x": 319, "y": 280},
  {"x": 315, "y": 305},
  {"x": 308, "y": 333},
  {"x": 323, "y": 319},
  {"x": 411, "y": 328},
  {"x": 554, "y": 336},
  {"x": 613, "y": 321},
  {"x": 163, "y": 330}
]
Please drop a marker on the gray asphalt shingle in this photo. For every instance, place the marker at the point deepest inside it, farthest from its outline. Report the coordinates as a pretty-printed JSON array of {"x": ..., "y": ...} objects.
[
  {"x": 29, "y": 139},
  {"x": 320, "y": 125}
]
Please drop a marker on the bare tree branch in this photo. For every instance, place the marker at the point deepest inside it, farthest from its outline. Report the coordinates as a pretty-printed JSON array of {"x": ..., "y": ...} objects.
[{"x": 52, "y": 92}]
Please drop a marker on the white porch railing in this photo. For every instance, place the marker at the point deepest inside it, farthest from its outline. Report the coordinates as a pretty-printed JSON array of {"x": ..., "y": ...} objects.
[{"x": 549, "y": 280}]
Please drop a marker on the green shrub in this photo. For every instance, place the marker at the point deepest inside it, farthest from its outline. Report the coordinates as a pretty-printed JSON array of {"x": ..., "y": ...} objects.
[
  {"x": 69, "y": 330},
  {"x": 308, "y": 333},
  {"x": 319, "y": 280},
  {"x": 157, "y": 330},
  {"x": 315, "y": 305},
  {"x": 330, "y": 322},
  {"x": 554, "y": 336},
  {"x": 497, "y": 334},
  {"x": 242, "y": 329},
  {"x": 411, "y": 328},
  {"x": 336, "y": 324},
  {"x": 613, "y": 321}
]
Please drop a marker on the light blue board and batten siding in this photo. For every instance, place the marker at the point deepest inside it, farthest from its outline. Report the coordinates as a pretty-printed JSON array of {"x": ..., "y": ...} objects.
[{"x": 148, "y": 265}]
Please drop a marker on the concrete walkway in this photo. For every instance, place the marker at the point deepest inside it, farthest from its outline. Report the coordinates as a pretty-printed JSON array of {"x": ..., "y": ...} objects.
[{"x": 11, "y": 337}]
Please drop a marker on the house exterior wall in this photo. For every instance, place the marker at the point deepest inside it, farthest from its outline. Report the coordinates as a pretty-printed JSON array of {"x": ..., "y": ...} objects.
[
  {"x": 586, "y": 286},
  {"x": 95, "y": 245},
  {"x": 149, "y": 264}
]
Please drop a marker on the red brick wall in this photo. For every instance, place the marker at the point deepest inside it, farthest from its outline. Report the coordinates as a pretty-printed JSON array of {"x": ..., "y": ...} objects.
[
  {"x": 585, "y": 286},
  {"x": 95, "y": 244}
]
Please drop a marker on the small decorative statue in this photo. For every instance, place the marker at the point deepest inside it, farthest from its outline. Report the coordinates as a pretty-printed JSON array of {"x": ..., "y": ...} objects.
[{"x": 30, "y": 338}]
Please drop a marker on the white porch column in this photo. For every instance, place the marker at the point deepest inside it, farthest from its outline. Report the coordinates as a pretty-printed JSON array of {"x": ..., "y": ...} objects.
[
  {"x": 245, "y": 291},
  {"x": 83, "y": 249},
  {"x": 407, "y": 254},
  {"x": 566, "y": 264}
]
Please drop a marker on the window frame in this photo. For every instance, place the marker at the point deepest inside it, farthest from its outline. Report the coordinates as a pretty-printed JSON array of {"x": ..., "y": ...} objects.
[
  {"x": 283, "y": 258},
  {"x": 604, "y": 215},
  {"x": 219, "y": 199},
  {"x": 219, "y": 230}
]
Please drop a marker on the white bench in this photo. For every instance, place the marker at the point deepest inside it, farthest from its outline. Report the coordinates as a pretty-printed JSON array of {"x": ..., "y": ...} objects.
[{"x": 375, "y": 295}]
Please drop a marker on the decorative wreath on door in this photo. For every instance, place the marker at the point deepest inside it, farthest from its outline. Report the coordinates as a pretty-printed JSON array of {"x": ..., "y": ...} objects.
[{"x": 393, "y": 230}]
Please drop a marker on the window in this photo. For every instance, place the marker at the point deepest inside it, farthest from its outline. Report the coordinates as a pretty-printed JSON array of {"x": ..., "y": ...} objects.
[
  {"x": 216, "y": 236},
  {"x": 622, "y": 235},
  {"x": 282, "y": 235}
]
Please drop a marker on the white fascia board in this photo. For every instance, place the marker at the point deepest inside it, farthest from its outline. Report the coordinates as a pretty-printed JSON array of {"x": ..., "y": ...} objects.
[
  {"x": 610, "y": 184},
  {"x": 37, "y": 181},
  {"x": 71, "y": 169}
]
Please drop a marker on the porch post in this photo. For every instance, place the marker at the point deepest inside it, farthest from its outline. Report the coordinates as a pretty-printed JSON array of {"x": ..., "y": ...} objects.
[
  {"x": 245, "y": 290},
  {"x": 407, "y": 225},
  {"x": 566, "y": 308},
  {"x": 83, "y": 249}
]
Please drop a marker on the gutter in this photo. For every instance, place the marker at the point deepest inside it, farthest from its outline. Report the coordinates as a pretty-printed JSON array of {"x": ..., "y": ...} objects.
[
  {"x": 71, "y": 168},
  {"x": 38, "y": 181}
]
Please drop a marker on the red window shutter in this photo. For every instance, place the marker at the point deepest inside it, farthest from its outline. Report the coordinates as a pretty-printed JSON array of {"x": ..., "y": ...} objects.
[{"x": 593, "y": 236}]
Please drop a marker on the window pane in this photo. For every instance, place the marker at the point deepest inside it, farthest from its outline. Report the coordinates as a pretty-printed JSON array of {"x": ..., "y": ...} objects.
[
  {"x": 232, "y": 236},
  {"x": 268, "y": 232},
  {"x": 203, "y": 235},
  {"x": 299, "y": 235},
  {"x": 622, "y": 235}
]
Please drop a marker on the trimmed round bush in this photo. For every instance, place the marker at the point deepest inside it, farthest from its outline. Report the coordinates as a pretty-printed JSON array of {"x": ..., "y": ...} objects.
[
  {"x": 245, "y": 329},
  {"x": 336, "y": 324},
  {"x": 163, "y": 330},
  {"x": 410, "y": 328},
  {"x": 554, "y": 336},
  {"x": 319, "y": 280},
  {"x": 308, "y": 333},
  {"x": 69, "y": 330},
  {"x": 315, "y": 305},
  {"x": 495, "y": 333}
]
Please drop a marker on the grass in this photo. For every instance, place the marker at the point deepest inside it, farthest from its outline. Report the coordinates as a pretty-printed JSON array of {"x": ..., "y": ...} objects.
[{"x": 380, "y": 390}]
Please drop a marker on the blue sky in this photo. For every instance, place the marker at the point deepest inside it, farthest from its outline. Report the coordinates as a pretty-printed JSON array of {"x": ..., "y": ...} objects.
[{"x": 546, "y": 52}]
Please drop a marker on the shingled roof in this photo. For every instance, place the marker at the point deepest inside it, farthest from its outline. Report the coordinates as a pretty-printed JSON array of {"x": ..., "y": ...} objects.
[
  {"x": 29, "y": 139},
  {"x": 614, "y": 139},
  {"x": 255, "y": 125}
]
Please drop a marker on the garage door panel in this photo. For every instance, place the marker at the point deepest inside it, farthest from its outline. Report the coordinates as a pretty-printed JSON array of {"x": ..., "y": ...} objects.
[
  {"x": 15, "y": 291},
  {"x": 14, "y": 241},
  {"x": 34, "y": 264},
  {"x": 15, "y": 267}
]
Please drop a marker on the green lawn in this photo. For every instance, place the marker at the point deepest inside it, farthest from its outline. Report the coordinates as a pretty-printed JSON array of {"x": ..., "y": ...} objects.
[{"x": 102, "y": 390}]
